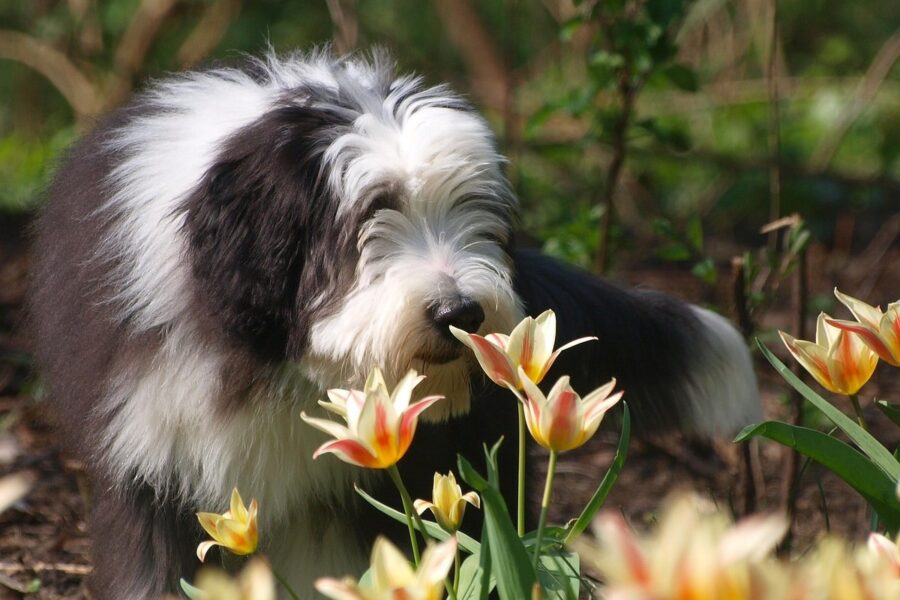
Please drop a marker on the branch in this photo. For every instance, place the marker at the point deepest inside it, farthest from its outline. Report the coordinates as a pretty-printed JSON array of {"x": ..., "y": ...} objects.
[
  {"x": 208, "y": 32},
  {"x": 135, "y": 43},
  {"x": 346, "y": 24},
  {"x": 865, "y": 92},
  {"x": 487, "y": 71},
  {"x": 74, "y": 85}
]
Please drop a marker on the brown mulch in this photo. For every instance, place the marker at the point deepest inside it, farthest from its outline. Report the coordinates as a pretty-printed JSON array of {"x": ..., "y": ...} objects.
[{"x": 44, "y": 552}]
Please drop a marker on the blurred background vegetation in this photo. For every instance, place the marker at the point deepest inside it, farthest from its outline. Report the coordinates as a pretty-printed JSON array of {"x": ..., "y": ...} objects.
[{"x": 699, "y": 122}]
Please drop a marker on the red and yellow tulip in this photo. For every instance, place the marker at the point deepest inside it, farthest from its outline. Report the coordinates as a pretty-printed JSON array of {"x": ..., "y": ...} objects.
[
  {"x": 393, "y": 577},
  {"x": 448, "y": 502},
  {"x": 379, "y": 424},
  {"x": 529, "y": 346},
  {"x": 562, "y": 420},
  {"x": 838, "y": 359},
  {"x": 235, "y": 529},
  {"x": 879, "y": 330}
]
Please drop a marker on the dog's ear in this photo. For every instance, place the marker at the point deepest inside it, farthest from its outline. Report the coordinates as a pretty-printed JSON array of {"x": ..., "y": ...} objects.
[{"x": 255, "y": 226}]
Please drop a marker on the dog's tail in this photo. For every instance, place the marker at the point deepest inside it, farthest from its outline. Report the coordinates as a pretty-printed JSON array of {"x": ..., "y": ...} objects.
[{"x": 681, "y": 366}]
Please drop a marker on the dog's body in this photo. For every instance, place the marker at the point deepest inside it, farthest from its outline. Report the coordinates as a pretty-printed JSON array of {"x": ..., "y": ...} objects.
[{"x": 217, "y": 254}]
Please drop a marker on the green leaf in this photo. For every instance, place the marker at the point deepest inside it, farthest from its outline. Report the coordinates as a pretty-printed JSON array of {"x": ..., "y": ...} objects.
[
  {"x": 510, "y": 563},
  {"x": 674, "y": 252},
  {"x": 599, "y": 497},
  {"x": 568, "y": 29},
  {"x": 433, "y": 529},
  {"x": 472, "y": 580},
  {"x": 194, "y": 593},
  {"x": 682, "y": 77},
  {"x": 705, "y": 271},
  {"x": 891, "y": 411},
  {"x": 694, "y": 232},
  {"x": 560, "y": 575},
  {"x": 863, "y": 439},
  {"x": 843, "y": 460}
]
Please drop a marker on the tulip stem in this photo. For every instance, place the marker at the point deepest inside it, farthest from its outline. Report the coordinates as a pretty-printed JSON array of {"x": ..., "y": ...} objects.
[
  {"x": 854, "y": 398},
  {"x": 545, "y": 507},
  {"x": 411, "y": 514},
  {"x": 285, "y": 584},
  {"x": 520, "y": 497},
  {"x": 456, "y": 573}
]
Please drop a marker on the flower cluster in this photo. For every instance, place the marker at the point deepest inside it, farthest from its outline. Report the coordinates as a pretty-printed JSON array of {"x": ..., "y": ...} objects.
[
  {"x": 698, "y": 553},
  {"x": 393, "y": 577},
  {"x": 845, "y": 353}
]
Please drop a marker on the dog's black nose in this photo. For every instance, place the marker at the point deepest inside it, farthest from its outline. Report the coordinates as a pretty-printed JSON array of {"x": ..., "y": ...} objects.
[{"x": 460, "y": 311}]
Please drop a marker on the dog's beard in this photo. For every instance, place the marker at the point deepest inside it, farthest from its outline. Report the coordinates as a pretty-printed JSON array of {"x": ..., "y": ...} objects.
[{"x": 368, "y": 332}]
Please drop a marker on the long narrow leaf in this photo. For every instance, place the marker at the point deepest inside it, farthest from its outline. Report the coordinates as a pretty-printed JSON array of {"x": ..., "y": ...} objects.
[
  {"x": 510, "y": 563},
  {"x": 864, "y": 441},
  {"x": 612, "y": 474},
  {"x": 891, "y": 411},
  {"x": 433, "y": 529},
  {"x": 841, "y": 459}
]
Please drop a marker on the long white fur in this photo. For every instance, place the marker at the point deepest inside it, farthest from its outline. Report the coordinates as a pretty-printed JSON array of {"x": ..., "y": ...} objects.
[{"x": 162, "y": 428}]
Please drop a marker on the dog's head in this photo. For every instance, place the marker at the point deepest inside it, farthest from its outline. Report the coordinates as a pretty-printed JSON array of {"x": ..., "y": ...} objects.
[{"x": 351, "y": 224}]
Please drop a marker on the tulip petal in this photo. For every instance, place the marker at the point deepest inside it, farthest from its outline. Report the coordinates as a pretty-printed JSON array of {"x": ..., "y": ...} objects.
[
  {"x": 436, "y": 562},
  {"x": 330, "y": 427},
  {"x": 339, "y": 590},
  {"x": 203, "y": 548},
  {"x": 209, "y": 521},
  {"x": 422, "y": 505},
  {"x": 402, "y": 394},
  {"x": 237, "y": 509},
  {"x": 473, "y": 499},
  {"x": 494, "y": 362},
  {"x": 236, "y": 536},
  {"x": 864, "y": 313},
  {"x": 350, "y": 451},
  {"x": 390, "y": 569},
  {"x": 872, "y": 339},
  {"x": 409, "y": 419}
]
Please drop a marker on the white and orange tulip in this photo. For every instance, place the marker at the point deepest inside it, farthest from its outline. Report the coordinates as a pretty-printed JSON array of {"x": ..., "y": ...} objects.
[
  {"x": 448, "y": 502},
  {"x": 838, "y": 359},
  {"x": 562, "y": 420},
  {"x": 879, "y": 330},
  {"x": 380, "y": 425},
  {"x": 255, "y": 582},
  {"x": 393, "y": 577},
  {"x": 530, "y": 346},
  {"x": 235, "y": 529}
]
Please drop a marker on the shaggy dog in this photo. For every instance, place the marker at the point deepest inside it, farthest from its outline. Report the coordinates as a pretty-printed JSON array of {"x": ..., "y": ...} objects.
[{"x": 216, "y": 254}]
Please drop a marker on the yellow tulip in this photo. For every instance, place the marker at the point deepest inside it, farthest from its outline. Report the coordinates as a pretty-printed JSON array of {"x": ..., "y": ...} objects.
[
  {"x": 529, "y": 346},
  {"x": 838, "y": 360},
  {"x": 255, "y": 582},
  {"x": 380, "y": 424},
  {"x": 449, "y": 503},
  {"x": 235, "y": 529},
  {"x": 879, "y": 330},
  {"x": 562, "y": 420},
  {"x": 392, "y": 577}
]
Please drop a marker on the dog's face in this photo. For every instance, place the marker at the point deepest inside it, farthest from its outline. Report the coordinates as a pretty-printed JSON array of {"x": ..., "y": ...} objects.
[{"x": 351, "y": 225}]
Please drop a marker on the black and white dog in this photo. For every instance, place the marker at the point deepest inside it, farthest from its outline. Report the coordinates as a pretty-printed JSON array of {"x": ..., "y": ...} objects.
[{"x": 215, "y": 255}]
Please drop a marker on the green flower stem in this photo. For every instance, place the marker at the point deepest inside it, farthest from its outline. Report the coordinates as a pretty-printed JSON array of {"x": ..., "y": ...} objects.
[
  {"x": 285, "y": 584},
  {"x": 455, "y": 590},
  {"x": 854, "y": 398},
  {"x": 520, "y": 497},
  {"x": 411, "y": 514},
  {"x": 545, "y": 507}
]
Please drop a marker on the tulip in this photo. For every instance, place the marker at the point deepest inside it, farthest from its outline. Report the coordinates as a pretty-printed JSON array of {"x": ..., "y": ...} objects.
[
  {"x": 880, "y": 331},
  {"x": 380, "y": 425},
  {"x": 530, "y": 346},
  {"x": 562, "y": 420},
  {"x": 693, "y": 554},
  {"x": 886, "y": 551},
  {"x": 255, "y": 582},
  {"x": 838, "y": 359},
  {"x": 235, "y": 529},
  {"x": 393, "y": 577},
  {"x": 449, "y": 503}
]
